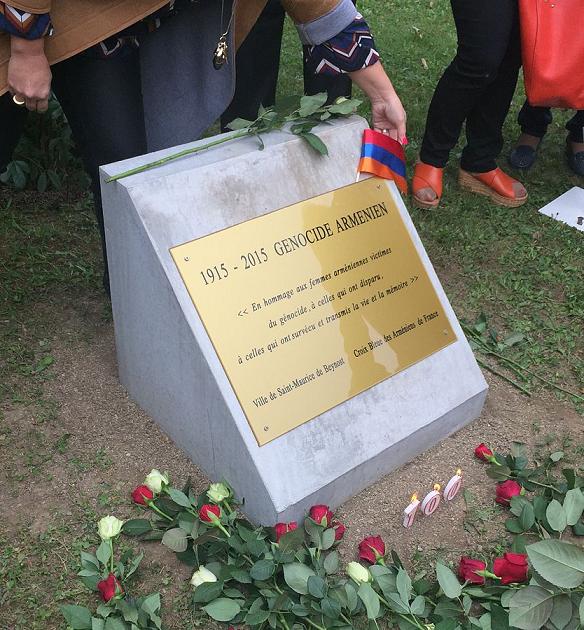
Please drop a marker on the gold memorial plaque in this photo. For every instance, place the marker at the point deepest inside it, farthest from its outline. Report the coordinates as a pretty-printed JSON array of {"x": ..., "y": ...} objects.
[{"x": 312, "y": 304}]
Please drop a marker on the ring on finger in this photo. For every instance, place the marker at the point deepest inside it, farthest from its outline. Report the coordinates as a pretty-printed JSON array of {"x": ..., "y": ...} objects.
[{"x": 17, "y": 101}]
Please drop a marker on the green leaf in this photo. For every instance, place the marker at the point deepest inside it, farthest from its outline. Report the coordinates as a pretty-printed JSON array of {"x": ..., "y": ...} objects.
[
  {"x": 316, "y": 586},
  {"x": 151, "y": 604},
  {"x": 499, "y": 617},
  {"x": 134, "y": 564},
  {"x": 370, "y": 598},
  {"x": 331, "y": 563},
  {"x": 89, "y": 559},
  {"x": 562, "y": 611},
  {"x": 418, "y": 605},
  {"x": 581, "y": 611},
  {"x": 330, "y": 608},
  {"x": 296, "y": 576},
  {"x": 555, "y": 457},
  {"x": 239, "y": 123},
  {"x": 292, "y": 541},
  {"x": 222, "y": 609},
  {"x": 262, "y": 570},
  {"x": 78, "y": 617},
  {"x": 207, "y": 592},
  {"x": 344, "y": 107},
  {"x": 315, "y": 142},
  {"x": 130, "y": 613},
  {"x": 104, "y": 552},
  {"x": 404, "y": 585},
  {"x": 530, "y": 608},
  {"x": 257, "y": 618},
  {"x": 516, "y": 505},
  {"x": 578, "y": 529},
  {"x": 352, "y": 597},
  {"x": 556, "y": 516},
  {"x": 448, "y": 581},
  {"x": 241, "y": 576},
  {"x": 527, "y": 517},
  {"x": 136, "y": 527},
  {"x": 514, "y": 526},
  {"x": 180, "y": 498},
  {"x": 573, "y": 505},
  {"x": 115, "y": 623},
  {"x": 560, "y": 563},
  {"x": 311, "y": 104},
  {"x": 176, "y": 539},
  {"x": 97, "y": 624},
  {"x": 395, "y": 603}
]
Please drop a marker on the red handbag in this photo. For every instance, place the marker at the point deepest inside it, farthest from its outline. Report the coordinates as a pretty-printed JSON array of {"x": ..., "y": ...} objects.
[{"x": 552, "y": 41}]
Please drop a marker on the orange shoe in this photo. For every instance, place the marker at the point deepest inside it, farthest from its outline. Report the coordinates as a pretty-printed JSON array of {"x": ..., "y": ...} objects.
[
  {"x": 426, "y": 176},
  {"x": 495, "y": 184}
]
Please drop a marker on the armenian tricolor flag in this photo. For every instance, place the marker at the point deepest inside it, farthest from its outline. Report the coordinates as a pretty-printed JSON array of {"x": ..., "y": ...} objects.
[{"x": 383, "y": 156}]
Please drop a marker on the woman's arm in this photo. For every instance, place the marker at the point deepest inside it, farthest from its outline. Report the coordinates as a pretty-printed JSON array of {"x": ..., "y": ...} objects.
[
  {"x": 388, "y": 113},
  {"x": 29, "y": 73},
  {"x": 340, "y": 41}
]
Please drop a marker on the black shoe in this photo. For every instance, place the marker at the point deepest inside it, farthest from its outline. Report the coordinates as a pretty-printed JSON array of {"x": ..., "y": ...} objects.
[
  {"x": 523, "y": 157},
  {"x": 575, "y": 160}
]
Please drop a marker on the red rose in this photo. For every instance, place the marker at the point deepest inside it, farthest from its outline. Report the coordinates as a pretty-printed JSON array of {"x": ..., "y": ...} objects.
[
  {"x": 482, "y": 451},
  {"x": 372, "y": 549},
  {"x": 511, "y": 568},
  {"x": 284, "y": 528},
  {"x": 109, "y": 587},
  {"x": 206, "y": 512},
  {"x": 142, "y": 494},
  {"x": 340, "y": 530},
  {"x": 321, "y": 514},
  {"x": 467, "y": 568},
  {"x": 506, "y": 491}
]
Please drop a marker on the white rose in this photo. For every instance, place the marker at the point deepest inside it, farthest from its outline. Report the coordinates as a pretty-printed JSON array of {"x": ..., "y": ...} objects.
[
  {"x": 109, "y": 527},
  {"x": 155, "y": 480},
  {"x": 201, "y": 576},
  {"x": 358, "y": 572},
  {"x": 218, "y": 492}
]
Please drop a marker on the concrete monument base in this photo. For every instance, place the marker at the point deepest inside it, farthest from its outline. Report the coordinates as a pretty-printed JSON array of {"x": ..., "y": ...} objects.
[{"x": 170, "y": 368}]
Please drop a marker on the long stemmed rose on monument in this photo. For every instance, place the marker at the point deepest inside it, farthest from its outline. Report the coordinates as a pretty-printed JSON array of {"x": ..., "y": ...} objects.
[
  {"x": 372, "y": 550},
  {"x": 299, "y": 121}
]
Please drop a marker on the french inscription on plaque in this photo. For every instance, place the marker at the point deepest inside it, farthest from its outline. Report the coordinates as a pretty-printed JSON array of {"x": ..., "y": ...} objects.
[{"x": 312, "y": 304}]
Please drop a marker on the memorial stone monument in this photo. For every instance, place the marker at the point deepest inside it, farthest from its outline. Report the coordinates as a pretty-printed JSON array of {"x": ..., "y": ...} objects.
[{"x": 283, "y": 325}]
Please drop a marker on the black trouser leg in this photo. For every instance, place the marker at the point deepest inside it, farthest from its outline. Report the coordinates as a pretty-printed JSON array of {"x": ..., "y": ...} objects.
[
  {"x": 534, "y": 121},
  {"x": 576, "y": 127},
  {"x": 12, "y": 121},
  {"x": 103, "y": 103},
  {"x": 477, "y": 86},
  {"x": 258, "y": 64}
]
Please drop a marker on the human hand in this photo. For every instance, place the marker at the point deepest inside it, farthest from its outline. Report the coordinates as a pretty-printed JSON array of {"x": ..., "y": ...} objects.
[
  {"x": 390, "y": 117},
  {"x": 388, "y": 113},
  {"x": 29, "y": 73}
]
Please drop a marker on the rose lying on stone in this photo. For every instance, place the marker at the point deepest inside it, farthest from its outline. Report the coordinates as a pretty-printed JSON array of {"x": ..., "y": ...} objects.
[
  {"x": 109, "y": 588},
  {"x": 340, "y": 530},
  {"x": 321, "y": 514},
  {"x": 467, "y": 570},
  {"x": 512, "y": 568},
  {"x": 372, "y": 550},
  {"x": 506, "y": 491},
  {"x": 284, "y": 528},
  {"x": 142, "y": 494},
  {"x": 482, "y": 451}
]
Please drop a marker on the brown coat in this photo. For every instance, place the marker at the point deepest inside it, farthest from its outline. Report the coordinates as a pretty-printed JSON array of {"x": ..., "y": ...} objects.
[{"x": 79, "y": 24}]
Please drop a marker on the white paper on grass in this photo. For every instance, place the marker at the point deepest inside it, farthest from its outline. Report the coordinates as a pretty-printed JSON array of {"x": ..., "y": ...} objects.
[{"x": 568, "y": 208}]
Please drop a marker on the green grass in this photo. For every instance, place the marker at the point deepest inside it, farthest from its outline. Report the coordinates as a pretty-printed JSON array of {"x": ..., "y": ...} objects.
[{"x": 523, "y": 270}]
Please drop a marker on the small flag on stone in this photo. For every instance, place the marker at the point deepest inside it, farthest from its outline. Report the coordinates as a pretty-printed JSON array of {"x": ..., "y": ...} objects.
[{"x": 383, "y": 156}]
